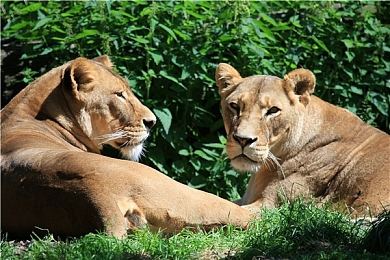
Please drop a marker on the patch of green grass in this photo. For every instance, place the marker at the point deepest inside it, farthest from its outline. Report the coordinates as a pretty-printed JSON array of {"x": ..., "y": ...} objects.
[
  {"x": 296, "y": 230},
  {"x": 301, "y": 230}
]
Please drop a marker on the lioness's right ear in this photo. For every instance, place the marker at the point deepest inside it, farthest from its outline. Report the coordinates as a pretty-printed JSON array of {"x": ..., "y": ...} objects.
[
  {"x": 105, "y": 60},
  {"x": 301, "y": 82},
  {"x": 227, "y": 78},
  {"x": 78, "y": 76}
]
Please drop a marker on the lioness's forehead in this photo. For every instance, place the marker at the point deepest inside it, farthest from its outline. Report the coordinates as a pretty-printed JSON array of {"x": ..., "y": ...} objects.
[
  {"x": 118, "y": 79},
  {"x": 258, "y": 84}
]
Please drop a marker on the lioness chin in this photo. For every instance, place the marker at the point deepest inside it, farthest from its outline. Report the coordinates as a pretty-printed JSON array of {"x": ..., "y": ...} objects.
[
  {"x": 53, "y": 178},
  {"x": 300, "y": 145}
]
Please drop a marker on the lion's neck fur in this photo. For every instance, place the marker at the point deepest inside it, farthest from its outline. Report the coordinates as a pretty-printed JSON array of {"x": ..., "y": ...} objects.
[
  {"x": 43, "y": 104},
  {"x": 323, "y": 129}
]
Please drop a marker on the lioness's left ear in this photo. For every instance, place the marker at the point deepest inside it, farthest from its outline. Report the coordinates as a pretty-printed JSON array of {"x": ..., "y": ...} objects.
[
  {"x": 79, "y": 76},
  {"x": 105, "y": 60},
  {"x": 302, "y": 82},
  {"x": 227, "y": 78}
]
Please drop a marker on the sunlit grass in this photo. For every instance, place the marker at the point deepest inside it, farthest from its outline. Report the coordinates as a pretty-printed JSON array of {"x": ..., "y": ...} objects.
[{"x": 297, "y": 230}]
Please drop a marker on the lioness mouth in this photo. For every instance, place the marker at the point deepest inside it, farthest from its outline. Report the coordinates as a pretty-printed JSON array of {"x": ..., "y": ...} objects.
[
  {"x": 243, "y": 156},
  {"x": 127, "y": 143}
]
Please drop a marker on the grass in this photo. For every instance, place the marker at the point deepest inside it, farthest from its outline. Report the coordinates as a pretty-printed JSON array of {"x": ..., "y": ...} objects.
[{"x": 297, "y": 230}]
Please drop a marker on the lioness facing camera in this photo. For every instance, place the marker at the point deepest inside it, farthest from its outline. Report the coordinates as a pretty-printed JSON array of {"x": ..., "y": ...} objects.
[
  {"x": 298, "y": 144},
  {"x": 54, "y": 179}
]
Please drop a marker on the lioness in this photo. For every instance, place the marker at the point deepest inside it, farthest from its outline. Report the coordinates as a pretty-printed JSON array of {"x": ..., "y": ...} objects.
[
  {"x": 298, "y": 144},
  {"x": 53, "y": 177}
]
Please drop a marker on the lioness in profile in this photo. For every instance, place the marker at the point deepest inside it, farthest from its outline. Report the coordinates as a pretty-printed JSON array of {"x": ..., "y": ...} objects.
[
  {"x": 54, "y": 179},
  {"x": 297, "y": 144}
]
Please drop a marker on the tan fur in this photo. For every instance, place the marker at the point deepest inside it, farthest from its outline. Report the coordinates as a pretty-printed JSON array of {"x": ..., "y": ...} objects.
[
  {"x": 322, "y": 150},
  {"x": 54, "y": 178}
]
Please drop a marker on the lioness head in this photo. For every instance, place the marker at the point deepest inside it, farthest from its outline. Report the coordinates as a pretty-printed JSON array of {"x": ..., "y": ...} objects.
[
  {"x": 262, "y": 114},
  {"x": 105, "y": 108}
]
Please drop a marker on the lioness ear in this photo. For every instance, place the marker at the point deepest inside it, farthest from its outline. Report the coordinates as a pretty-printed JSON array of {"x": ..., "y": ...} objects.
[
  {"x": 78, "y": 76},
  {"x": 302, "y": 82},
  {"x": 226, "y": 77},
  {"x": 105, "y": 60}
]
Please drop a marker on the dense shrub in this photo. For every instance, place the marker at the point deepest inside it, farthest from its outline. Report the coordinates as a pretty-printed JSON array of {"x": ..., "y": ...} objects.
[{"x": 168, "y": 52}]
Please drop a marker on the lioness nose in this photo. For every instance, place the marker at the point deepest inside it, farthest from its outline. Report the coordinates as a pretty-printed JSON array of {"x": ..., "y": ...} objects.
[
  {"x": 244, "y": 141},
  {"x": 149, "y": 123}
]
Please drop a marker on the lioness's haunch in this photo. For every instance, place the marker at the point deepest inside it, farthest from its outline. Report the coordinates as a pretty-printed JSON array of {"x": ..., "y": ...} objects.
[
  {"x": 53, "y": 177},
  {"x": 297, "y": 144}
]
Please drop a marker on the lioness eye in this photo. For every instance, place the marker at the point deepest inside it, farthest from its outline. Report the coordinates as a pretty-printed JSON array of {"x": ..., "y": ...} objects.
[
  {"x": 273, "y": 110},
  {"x": 120, "y": 94},
  {"x": 234, "y": 106}
]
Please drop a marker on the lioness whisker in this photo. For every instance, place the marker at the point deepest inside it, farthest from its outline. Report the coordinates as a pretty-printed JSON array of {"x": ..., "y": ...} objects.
[
  {"x": 275, "y": 160},
  {"x": 109, "y": 137},
  {"x": 265, "y": 162}
]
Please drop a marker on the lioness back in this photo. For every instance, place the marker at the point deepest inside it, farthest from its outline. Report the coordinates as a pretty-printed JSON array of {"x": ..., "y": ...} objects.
[{"x": 298, "y": 144}]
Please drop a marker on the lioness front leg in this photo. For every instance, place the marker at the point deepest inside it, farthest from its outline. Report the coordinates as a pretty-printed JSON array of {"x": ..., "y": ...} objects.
[
  {"x": 271, "y": 191},
  {"x": 172, "y": 206}
]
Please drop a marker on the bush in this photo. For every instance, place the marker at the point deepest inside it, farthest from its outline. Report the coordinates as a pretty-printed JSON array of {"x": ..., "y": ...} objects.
[{"x": 168, "y": 52}]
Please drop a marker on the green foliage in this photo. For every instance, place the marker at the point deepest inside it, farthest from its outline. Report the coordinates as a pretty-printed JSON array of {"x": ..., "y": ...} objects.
[
  {"x": 296, "y": 230},
  {"x": 168, "y": 51}
]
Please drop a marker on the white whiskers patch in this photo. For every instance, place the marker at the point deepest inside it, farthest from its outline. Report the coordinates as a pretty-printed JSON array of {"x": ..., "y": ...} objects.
[
  {"x": 132, "y": 153},
  {"x": 244, "y": 164},
  {"x": 130, "y": 149},
  {"x": 109, "y": 137}
]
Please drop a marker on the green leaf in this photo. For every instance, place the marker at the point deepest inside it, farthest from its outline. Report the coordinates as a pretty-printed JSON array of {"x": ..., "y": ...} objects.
[
  {"x": 349, "y": 72},
  {"x": 46, "y": 51},
  {"x": 182, "y": 35},
  {"x": 184, "y": 152},
  {"x": 267, "y": 33},
  {"x": 41, "y": 23},
  {"x": 31, "y": 7},
  {"x": 165, "y": 75},
  {"x": 184, "y": 74},
  {"x": 222, "y": 139},
  {"x": 55, "y": 28},
  {"x": 168, "y": 30},
  {"x": 196, "y": 15},
  {"x": 348, "y": 43},
  {"x": 196, "y": 164},
  {"x": 20, "y": 25},
  {"x": 350, "y": 55},
  {"x": 140, "y": 40},
  {"x": 203, "y": 155},
  {"x": 86, "y": 33},
  {"x": 165, "y": 117},
  {"x": 379, "y": 101},
  {"x": 320, "y": 43},
  {"x": 157, "y": 58},
  {"x": 226, "y": 37},
  {"x": 215, "y": 145},
  {"x": 356, "y": 90},
  {"x": 158, "y": 159},
  {"x": 295, "y": 21},
  {"x": 198, "y": 182},
  {"x": 268, "y": 19}
]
